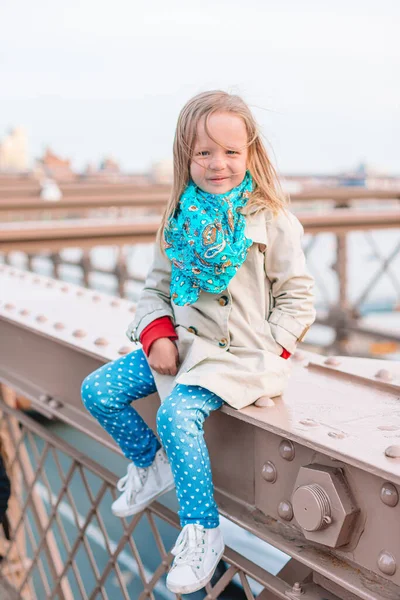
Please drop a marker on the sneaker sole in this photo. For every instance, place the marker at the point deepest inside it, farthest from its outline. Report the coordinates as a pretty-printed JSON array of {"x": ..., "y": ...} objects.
[
  {"x": 195, "y": 587},
  {"x": 137, "y": 508}
]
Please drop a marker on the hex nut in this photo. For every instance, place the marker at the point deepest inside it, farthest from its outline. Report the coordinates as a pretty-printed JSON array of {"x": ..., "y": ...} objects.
[{"x": 337, "y": 493}]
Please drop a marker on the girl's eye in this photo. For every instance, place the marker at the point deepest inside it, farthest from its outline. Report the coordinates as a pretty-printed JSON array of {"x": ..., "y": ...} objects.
[
  {"x": 231, "y": 152},
  {"x": 202, "y": 153}
]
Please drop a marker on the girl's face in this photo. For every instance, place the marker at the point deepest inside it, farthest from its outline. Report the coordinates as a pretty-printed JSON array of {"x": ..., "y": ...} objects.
[{"x": 216, "y": 168}]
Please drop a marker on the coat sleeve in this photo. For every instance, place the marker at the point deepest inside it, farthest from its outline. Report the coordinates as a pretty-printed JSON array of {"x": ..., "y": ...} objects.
[
  {"x": 155, "y": 298},
  {"x": 292, "y": 286}
]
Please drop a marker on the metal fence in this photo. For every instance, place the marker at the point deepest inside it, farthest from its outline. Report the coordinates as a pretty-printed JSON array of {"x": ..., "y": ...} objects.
[{"x": 46, "y": 559}]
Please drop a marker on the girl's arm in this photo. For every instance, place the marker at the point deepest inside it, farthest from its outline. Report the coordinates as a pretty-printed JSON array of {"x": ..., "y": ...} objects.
[
  {"x": 160, "y": 328},
  {"x": 155, "y": 299},
  {"x": 292, "y": 286}
]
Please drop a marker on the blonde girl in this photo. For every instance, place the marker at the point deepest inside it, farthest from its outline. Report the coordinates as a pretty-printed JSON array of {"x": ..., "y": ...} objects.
[{"x": 226, "y": 301}]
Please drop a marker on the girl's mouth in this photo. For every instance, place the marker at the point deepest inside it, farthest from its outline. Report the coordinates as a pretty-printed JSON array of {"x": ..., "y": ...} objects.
[{"x": 217, "y": 179}]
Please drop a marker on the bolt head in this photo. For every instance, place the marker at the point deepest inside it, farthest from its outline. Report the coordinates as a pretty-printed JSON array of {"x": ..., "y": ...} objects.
[
  {"x": 269, "y": 472},
  {"x": 287, "y": 450},
  {"x": 387, "y": 563},
  {"x": 389, "y": 494}
]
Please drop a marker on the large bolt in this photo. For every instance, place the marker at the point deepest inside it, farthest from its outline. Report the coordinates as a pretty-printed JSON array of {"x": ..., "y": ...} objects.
[{"x": 312, "y": 507}]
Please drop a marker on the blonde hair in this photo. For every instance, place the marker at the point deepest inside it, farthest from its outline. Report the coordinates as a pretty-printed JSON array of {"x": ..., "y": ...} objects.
[{"x": 267, "y": 191}]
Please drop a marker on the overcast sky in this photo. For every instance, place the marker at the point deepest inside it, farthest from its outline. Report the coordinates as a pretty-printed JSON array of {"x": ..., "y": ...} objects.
[{"x": 92, "y": 78}]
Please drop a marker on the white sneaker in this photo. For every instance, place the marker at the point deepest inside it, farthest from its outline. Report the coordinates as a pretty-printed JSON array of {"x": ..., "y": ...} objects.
[
  {"x": 140, "y": 486},
  {"x": 197, "y": 553}
]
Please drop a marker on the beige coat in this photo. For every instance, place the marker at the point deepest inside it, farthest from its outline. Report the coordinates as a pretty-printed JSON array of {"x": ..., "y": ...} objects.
[{"x": 230, "y": 343}]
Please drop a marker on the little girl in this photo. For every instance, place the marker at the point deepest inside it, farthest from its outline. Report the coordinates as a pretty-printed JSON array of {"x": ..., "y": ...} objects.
[{"x": 225, "y": 302}]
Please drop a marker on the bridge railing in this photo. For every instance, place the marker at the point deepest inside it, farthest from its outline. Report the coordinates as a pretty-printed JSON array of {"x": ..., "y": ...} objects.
[
  {"x": 338, "y": 309},
  {"x": 331, "y": 436}
]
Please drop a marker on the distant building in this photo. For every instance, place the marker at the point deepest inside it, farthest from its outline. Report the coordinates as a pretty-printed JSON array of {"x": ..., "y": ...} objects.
[
  {"x": 162, "y": 172},
  {"x": 54, "y": 167},
  {"x": 14, "y": 152},
  {"x": 109, "y": 166}
]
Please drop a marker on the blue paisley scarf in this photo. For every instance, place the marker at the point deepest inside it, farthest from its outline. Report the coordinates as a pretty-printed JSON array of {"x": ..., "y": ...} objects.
[{"x": 205, "y": 241}]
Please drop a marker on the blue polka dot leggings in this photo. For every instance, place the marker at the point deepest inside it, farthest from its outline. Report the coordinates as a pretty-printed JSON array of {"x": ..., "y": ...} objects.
[{"x": 107, "y": 394}]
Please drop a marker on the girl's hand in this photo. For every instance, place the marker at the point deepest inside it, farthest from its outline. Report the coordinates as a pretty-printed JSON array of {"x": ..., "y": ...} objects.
[{"x": 164, "y": 357}]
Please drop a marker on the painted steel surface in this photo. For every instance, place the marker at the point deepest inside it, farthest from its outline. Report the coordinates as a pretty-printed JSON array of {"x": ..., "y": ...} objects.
[{"x": 328, "y": 445}]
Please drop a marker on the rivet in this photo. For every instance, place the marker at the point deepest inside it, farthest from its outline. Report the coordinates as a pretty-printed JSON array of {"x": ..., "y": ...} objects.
[
  {"x": 79, "y": 292},
  {"x": 11, "y": 273},
  {"x": 59, "y": 325},
  {"x": 22, "y": 275},
  {"x": 96, "y": 298},
  {"x": 101, "y": 342},
  {"x": 36, "y": 280},
  {"x": 384, "y": 374},
  {"x": 392, "y": 452},
  {"x": 389, "y": 494},
  {"x": 333, "y": 361},
  {"x": 386, "y": 563},
  {"x": 9, "y": 306},
  {"x": 49, "y": 284},
  {"x": 339, "y": 435},
  {"x": 41, "y": 319},
  {"x": 115, "y": 303},
  {"x": 64, "y": 288},
  {"x": 299, "y": 355},
  {"x": 264, "y": 401},
  {"x": 268, "y": 472},
  {"x": 285, "y": 510},
  {"x": 124, "y": 350},
  {"x": 309, "y": 422},
  {"x": 286, "y": 450},
  {"x": 24, "y": 312},
  {"x": 79, "y": 333},
  {"x": 132, "y": 308}
]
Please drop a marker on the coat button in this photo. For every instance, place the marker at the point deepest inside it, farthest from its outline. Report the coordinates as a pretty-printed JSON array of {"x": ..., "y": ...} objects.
[
  {"x": 223, "y": 300},
  {"x": 223, "y": 343},
  {"x": 192, "y": 330}
]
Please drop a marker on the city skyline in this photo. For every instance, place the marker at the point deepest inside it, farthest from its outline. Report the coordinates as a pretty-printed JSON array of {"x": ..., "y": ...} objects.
[{"x": 90, "y": 82}]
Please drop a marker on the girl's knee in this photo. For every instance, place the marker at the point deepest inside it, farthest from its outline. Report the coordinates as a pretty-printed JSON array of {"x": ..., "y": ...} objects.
[
  {"x": 172, "y": 417},
  {"x": 92, "y": 392}
]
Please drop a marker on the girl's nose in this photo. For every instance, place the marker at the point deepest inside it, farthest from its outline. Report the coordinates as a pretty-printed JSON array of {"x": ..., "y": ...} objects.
[{"x": 217, "y": 163}]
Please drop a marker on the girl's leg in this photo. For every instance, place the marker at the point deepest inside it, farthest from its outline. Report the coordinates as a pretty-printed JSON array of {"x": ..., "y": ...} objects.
[
  {"x": 107, "y": 394},
  {"x": 180, "y": 421}
]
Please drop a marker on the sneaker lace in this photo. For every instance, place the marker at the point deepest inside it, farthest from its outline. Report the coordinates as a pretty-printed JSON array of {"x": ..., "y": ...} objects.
[
  {"x": 190, "y": 545},
  {"x": 133, "y": 481}
]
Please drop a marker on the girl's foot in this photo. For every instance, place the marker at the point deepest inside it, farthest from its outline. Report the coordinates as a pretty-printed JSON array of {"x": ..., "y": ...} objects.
[
  {"x": 140, "y": 486},
  {"x": 197, "y": 553}
]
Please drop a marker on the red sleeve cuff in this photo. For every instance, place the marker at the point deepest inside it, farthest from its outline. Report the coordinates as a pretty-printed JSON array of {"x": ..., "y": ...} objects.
[
  {"x": 159, "y": 328},
  {"x": 285, "y": 354}
]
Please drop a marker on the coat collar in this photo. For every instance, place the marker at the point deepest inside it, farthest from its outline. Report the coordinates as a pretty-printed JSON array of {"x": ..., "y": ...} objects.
[{"x": 256, "y": 228}]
